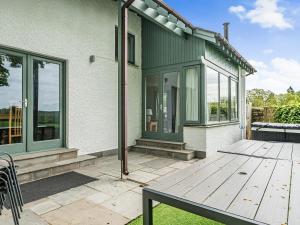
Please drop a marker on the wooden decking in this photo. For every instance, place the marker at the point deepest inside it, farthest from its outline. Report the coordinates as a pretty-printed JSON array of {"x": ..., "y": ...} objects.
[{"x": 251, "y": 181}]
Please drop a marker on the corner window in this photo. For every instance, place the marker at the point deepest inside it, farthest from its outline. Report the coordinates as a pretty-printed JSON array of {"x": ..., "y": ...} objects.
[
  {"x": 130, "y": 44},
  {"x": 234, "y": 100},
  {"x": 192, "y": 93},
  {"x": 222, "y": 97},
  {"x": 212, "y": 86}
]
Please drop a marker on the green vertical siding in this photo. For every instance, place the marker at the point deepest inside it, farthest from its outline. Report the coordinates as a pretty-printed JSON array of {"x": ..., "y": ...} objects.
[{"x": 161, "y": 47}]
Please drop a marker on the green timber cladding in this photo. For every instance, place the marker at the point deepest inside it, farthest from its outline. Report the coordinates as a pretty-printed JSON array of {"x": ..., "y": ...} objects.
[{"x": 163, "y": 48}]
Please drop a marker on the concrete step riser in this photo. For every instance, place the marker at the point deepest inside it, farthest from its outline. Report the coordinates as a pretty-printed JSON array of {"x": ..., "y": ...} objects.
[
  {"x": 168, "y": 154},
  {"x": 48, "y": 172},
  {"x": 46, "y": 159},
  {"x": 179, "y": 146}
]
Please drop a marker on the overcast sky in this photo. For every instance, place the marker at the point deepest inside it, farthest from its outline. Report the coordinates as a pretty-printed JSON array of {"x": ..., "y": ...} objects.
[{"x": 266, "y": 32}]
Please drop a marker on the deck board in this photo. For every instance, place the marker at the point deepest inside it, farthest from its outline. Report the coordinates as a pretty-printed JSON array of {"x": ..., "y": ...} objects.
[
  {"x": 274, "y": 206},
  {"x": 229, "y": 190},
  {"x": 286, "y": 152},
  {"x": 248, "y": 200},
  {"x": 294, "y": 215},
  {"x": 255, "y": 180}
]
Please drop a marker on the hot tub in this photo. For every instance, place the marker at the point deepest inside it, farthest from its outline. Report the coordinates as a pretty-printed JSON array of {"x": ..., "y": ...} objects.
[{"x": 276, "y": 132}]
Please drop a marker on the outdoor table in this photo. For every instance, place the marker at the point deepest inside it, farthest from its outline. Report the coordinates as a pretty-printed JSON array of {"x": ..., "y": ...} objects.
[{"x": 251, "y": 182}]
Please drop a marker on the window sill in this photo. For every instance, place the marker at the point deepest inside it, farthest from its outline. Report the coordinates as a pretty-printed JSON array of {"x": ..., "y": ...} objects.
[
  {"x": 129, "y": 64},
  {"x": 213, "y": 124}
]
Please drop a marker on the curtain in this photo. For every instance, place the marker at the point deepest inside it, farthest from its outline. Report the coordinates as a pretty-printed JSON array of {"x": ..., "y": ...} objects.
[{"x": 192, "y": 94}]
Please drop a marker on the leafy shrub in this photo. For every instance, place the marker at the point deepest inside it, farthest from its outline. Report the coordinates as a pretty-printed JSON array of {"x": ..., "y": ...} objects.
[{"x": 288, "y": 114}]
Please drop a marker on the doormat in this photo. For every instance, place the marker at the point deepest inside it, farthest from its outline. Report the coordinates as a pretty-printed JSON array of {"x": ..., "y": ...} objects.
[{"x": 52, "y": 185}]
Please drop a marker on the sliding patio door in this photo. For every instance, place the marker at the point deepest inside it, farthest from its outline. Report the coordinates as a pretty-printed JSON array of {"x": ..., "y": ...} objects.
[
  {"x": 162, "y": 106},
  {"x": 31, "y": 103}
]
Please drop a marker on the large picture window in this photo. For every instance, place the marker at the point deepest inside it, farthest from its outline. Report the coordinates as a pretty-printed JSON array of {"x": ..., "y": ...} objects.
[
  {"x": 212, "y": 85},
  {"x": 224, "y": 98},
  {"x": 192, "y": 93},
  {"x": 234, "y": 100},
  {"x": 221, "y": 107}
]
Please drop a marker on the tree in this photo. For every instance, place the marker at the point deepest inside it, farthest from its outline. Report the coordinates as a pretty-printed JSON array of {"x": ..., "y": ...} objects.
[
  {"x": 290, "y": 90},
  {"x": 14, "y": 62},
  {"x": 261, "y": 98}
]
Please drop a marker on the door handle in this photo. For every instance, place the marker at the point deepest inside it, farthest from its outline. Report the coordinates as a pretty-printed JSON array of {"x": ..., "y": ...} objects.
[{"x": 25, "y": 102}]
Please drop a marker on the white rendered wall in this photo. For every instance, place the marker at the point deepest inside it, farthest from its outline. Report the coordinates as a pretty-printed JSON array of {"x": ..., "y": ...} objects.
[
  {"x": 211, "y": 139},
  {"x": 73, "y": 30}
]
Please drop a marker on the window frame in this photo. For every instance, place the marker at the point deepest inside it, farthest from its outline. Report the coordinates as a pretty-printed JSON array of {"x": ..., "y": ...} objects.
[
  {"x": 186, "y": 121},
  {"x": 129, "y": 35},
  {"x": 231, "y": 78}
]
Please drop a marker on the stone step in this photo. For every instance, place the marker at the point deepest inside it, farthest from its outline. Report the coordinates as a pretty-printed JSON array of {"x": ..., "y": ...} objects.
[
  {"x": 165, "y": 152},
  {"x": 44, "y": 157},
  {"x": 161, "y": 144},
  {"x": 41, "y": 171}
]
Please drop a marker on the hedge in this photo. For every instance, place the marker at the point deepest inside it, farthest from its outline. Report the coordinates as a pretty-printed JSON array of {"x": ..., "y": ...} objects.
[{"x": 288, "y": 114}]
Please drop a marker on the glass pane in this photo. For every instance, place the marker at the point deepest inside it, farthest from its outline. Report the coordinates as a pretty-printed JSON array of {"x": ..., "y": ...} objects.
[
  {"x": 46, "y": 95},
  {"x": 11, "y": 111},
  {"x": 192, "y": 97},
  {"x": 171, "y": 102},
  {"x": 234, "y": 100},
  {"x": 212, "y": 80},
  {"x": 224, "y": 98},
  {"x": 152, "y": 103}
]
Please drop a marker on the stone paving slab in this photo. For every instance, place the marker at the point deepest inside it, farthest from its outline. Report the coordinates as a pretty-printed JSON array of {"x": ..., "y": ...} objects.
[
  {"x": 159, "y": 163},
  {"x": 112, "y": 186},
  {"x": 141, "y": 176},
  {"x": 83, "y": 212},
  {"x": 28, "y": 218},
  {"x": 72, "y": 195},
  {"x": 45, "y": 206},
  {"x": 128, "y": 204}
]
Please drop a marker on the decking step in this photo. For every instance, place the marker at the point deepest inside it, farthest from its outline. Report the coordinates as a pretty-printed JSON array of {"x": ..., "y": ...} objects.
[
  {"x": 41, "y": 171},
  {"x": 161, "y": 144},
  {"x": 166, "y": 152},
  {"x": 44, "y": 157}
]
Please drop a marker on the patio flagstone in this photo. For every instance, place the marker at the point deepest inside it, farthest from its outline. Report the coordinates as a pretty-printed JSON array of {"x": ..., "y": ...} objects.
[
  {"x": 112, "y": 186},
  {"x": 159, "y": 163},
  {"x": 128, "y": 204},
  {"x": 28, "y": 218},
  {"x": 44, "y": 206},
  {"x": 83, "y": 212},
  {"x": 98, "y": 198},
  {"x": 141, "y": 176},
  {"x": 72, "y": 195}
]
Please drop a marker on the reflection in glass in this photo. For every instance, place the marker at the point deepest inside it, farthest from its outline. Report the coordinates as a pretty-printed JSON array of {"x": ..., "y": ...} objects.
[
  {"x": 171, "y": 102},
  {"x": 11, "y": 111},
  {"x": 192, "y": 97},
  {"x": 224, "y": 98},
  {"x": 152, "y": 103},
  {"x": 46, "y": 95},
  {"x": 212, "y": 80},
  {"x": 234, "y": 100}
]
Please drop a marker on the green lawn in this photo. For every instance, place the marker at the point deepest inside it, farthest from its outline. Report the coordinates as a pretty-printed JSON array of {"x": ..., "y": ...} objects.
[{"x": 166, "y": 215}]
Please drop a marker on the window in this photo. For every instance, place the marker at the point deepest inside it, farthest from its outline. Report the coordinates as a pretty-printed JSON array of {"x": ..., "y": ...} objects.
[
  {"x": 212, "y": 82},
  {"x": 224, "y": 98},
  {"x": 192, "y": 93},
  {"x": 219, "y": 88},
  {"x": 131, "y": 47},
  {"x": 234, "y": 100}
]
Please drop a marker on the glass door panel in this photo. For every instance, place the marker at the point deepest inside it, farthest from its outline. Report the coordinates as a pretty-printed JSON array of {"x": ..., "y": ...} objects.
[
  {"x": 152, "y": 104},
  {"x": 12, "y": 111},
  {"x": 171, "y": 103},
  {"x": 46, "y": 106}
]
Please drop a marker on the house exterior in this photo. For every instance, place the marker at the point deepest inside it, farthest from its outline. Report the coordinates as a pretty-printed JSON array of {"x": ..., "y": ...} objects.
[{"x": 59, "y": 82}]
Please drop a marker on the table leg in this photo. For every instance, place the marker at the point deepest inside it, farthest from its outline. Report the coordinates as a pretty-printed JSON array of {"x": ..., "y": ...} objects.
[{"x": 147, "y": 210}]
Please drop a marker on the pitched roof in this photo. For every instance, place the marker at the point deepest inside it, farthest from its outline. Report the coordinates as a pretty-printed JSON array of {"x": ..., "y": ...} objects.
[{"x": 160, "y": 13}]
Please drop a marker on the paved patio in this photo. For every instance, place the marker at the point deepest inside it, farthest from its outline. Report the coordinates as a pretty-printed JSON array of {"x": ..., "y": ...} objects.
[{"x": 107, "y": 201}]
